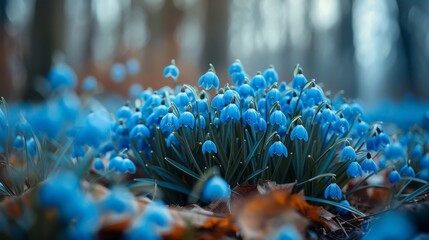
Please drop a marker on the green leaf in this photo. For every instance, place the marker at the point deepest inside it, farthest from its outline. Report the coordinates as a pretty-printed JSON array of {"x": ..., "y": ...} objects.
[
  {"x": 336, "y": 204},
  {"x": 182, "y": 168}
]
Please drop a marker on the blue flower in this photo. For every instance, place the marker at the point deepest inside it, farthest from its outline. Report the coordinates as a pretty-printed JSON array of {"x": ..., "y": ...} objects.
[
  {"x": 368, "y": 165},
  {"x": 98, "y": 164},
  {"x": 124, "y": 112},
  {"x": 155, "y": 220},
  {"x": 140, "y": 131},
  {"x": 230, "y": 113},
  {"x": 341, "y": 126},
  {"x": 343, "y": 211},
  {"x": 187, "y": 119},
  {"x": 299, "y": 132},
  {"x": 169, "y": 122},
  {"x": 287, "y": 232},
  {"x": 408, "y": 171},
  {"x": 182, "y": 99},
  {"x": 133, "y": 66},
  {"x": 118, "y": 72},
  {"x": 394, "y": 176},
  {"x": 209, "y": 80},
  {"x": 230, "y": 94},
  {"x": 118, "y": 201},
  {"x": 392, "y": 225},
  {"x": 313, "y": 96},
  {"x": 62, "y": 75},
  {"x": 200, "y": 122},
  {"x": 270, "y": 75},
  {"x": 235, "y": 67},
  {"x": 354, "y": 169},
  {"x": 299, "y": 80},
  {"x": 218, "y": 102},
  {"x": 31, "y": 147},
  {"x": 416, "y": 152},
  {"x": 394, "y": 152},
  {"x": 424, "y": 162},
  {"x": 361, "y": 128},
  {"x": 327, "y": 116},
  {"x": 209, "y": 147},
  {"x": 278, "y": 148},
  {"x": 333, "y": 191},
  {"x": 115, "y": 164},
  {"x": 278, "y": 117},
  {"x": 245, "y": 90},
  {"x": 78, "y": 151},
  {"x": 171, "y": 71},
  {"x": 250, "y": 116},
  {"x": 262, "y": 125},
  {"x": 135, "y": 90},
  {"x": 239, "y": 78},
  {"x": 127, "y": 166},
  {"x": 348, "y": 153},
  {"x": 89, "y": 84},
  {"x": 216, "y": 188},
  {"x": 258, "y": 83},
  {"x": 172, "y": 140},
  {"x": 18, "y": 143},
  {"x": 273, "y": 95}
]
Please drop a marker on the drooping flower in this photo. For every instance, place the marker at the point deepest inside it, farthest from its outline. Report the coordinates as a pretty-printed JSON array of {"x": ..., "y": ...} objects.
[
  {"x": 271, "y": 76},
  {"x": 133, "y": 66},
  {"x": 361, "y": 128},
  {"x": 392, "y": 225},
  {"x": 299, "y": 132},
  {"x": 18, "y": 143},
  {"x": 230, "y": 113},
  {"x": 245, "y": 90},
  {"x": 169, "y": 122},
  {"x": 115, "y": 164},
  {"x": 278, "y": 148},
  {"x": 182, "y": 98},
  {"x": 171, "y": 71},
  {"x": 341, "y": 126},
  {"x": 394, "y": 176},
  {"x": 187, "y": 119},
  {"x": 333, "y": 191},
  {"x": 98, "y": 164},
  {"x": 235, "y": 67},
  {"x": 424, "y": 162},
  {"x": 278, "y": 117},
  {"x": 89, "y": 84},
  {"x": 299, "y": 80},
  {"x": 417, "y": 152},
  {"x": 124, "y": 112},
  {"x": 140, "y": 131},
  {"x": 172, "y": 140},
  {"x": 218, "y": 102},
  {"x": 368, "y": 165},
  {"x": 287, "y": 232},
  {"x": 354, "y": 169},
  {"x": 250, "y": 116},
  {"x": 258, "y": 83},
  {"x": 328, "y": 116},
  {"x": 127, "y": 166},
  {"x": 343, "y": 211},
  {"x": 209, "y": 147},
  {"x": 216, "y": 188},
  {"x": 408, "y": 171},
  {"x": 273, "y": 95},
  {"x": 348, "y": 153},
  {"x": 118, "y": 72},
  {"x": 62, "y": 76},
  {"x": 209, "y": 80}
]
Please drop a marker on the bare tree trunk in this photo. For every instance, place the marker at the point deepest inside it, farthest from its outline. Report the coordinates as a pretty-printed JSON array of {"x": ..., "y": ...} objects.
[
  {"x": 46, "y": 38},
  {"x": 215, "y": 48}
]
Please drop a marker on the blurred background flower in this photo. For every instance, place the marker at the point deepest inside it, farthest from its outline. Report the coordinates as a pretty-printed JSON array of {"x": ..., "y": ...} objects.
[{"x": 370, "y": 49}]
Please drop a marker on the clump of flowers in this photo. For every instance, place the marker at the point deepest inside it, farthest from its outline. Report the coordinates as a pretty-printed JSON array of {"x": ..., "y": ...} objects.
[{"x": 196, "y": 144}]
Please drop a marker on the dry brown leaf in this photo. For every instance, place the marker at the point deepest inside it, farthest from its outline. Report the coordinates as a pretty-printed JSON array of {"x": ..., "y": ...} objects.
[
  {"x": 265, "y": 186},
  {"x": 244, "y": 190},
  {"x": 262, "y": 215}
]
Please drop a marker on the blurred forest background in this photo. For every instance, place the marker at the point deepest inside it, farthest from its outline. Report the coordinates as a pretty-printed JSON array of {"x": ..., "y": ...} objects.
[{"x": 371, "y": 49}]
